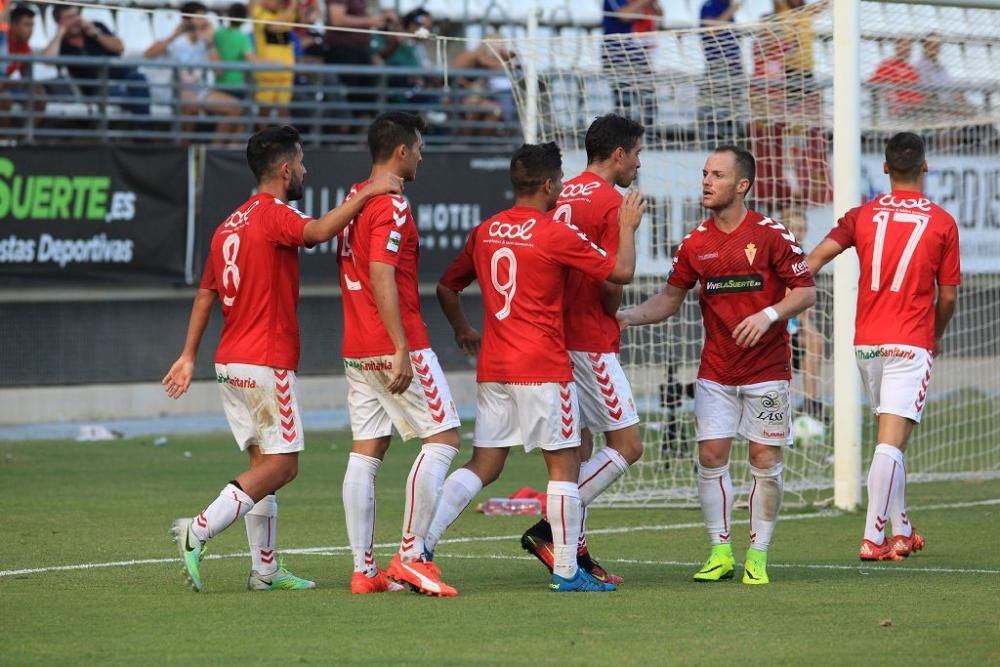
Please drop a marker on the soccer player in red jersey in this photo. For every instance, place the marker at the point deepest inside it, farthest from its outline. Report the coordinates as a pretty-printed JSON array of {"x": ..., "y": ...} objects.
[
  {"x": 752, "y": 274},
  {"x": 526, "y": 394},
  {"x": 590, "y": 202},
  {"x": 385, "y": 345},
  {"x": 907, "y": 246},
  {"x": 253, "y": 269}
]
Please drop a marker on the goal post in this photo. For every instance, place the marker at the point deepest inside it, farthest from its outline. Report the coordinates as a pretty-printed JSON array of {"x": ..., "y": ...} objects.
[{"x": 800, "y": 91}]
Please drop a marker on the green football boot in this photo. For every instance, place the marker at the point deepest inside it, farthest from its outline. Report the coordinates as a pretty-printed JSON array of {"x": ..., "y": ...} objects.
[
  {"x": 282, "y": 580},
  {"x": 719, "y": 565},
  {"x": 191, "y": 550},
  {"x": 755, "y": 569}
]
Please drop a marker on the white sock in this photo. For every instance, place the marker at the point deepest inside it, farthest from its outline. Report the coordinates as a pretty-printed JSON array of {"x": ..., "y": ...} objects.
[
  {"x": 900, "y": 519},
  {"x": 262, "y": 529},
  {"x": 885, "y": 477},
  {"x": 765, "y": 501},
  {"x": 565, "y": 513},
  {"x": 423, "y": 486},
  {"x": 359, "y": 509},
  {"x": 224, "y": 511},
  {"x": 581, "y": 542},
  {"x": 598, "y": 473},
  {"x": 456, "y": 494},
  {"x": 715, "y": 491}
]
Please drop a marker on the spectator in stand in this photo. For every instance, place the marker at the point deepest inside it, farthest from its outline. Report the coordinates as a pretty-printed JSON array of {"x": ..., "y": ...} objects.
[
  {"x": 400, "y": 51},
  {"x": 273, "y": 44},
  {"x": 193, "y": 43},
  {"x": 352, "y": 48},
  {"x": 896, "y": 73},
  {"x": 76, "y": 36},
  {"x": 13, "y": 87},
  {"x": 723, "y": 72},
  {"x": 932, "y": 73},
  {"x": 625, "y": 59},
  {"x": 488, "y": 100},
  {"x": 233, "y": 46}
]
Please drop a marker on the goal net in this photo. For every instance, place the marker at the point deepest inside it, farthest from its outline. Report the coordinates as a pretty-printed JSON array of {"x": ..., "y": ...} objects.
[{"x": 767, "y": 86}]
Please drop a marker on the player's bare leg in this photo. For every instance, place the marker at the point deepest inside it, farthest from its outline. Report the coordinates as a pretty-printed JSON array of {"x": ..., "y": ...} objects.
[
  {"x": 765, "y": 504},
  {"x": 715, "y": 493},
  {"x": 887, "y": 494}
]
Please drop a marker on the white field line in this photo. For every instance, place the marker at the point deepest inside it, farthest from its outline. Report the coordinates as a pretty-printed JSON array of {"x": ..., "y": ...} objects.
[{"x": 338, "y": 550}]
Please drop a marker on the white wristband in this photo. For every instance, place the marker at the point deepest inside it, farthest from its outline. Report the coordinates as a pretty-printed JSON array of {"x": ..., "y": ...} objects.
[{"x": 771, "y": 313}]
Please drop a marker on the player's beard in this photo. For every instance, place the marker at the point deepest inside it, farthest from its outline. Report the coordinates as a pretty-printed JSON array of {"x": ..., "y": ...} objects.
[{"x": 295, "y": 189}]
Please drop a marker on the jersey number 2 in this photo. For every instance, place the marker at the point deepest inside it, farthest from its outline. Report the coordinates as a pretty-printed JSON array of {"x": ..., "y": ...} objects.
[
  {"x": 882, "y": 219},
  {"x": 508, "y": 287}
]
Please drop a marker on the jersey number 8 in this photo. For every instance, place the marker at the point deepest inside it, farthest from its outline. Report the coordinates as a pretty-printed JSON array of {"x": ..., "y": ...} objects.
[{"x": 230, "y": 248}]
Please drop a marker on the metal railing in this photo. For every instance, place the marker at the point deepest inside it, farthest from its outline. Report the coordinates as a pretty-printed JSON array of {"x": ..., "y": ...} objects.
[{"x": 163, "y": 101}]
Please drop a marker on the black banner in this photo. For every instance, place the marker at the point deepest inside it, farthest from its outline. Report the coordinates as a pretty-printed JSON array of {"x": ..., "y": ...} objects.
[
  {"x": 452, "y": 194},
  {"x": 107, "y": 214}
]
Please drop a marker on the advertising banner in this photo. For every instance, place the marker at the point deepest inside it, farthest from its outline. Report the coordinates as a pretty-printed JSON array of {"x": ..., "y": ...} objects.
[
  {"x": 452, "y": 193},
  {"x": 93, "y": 213}
]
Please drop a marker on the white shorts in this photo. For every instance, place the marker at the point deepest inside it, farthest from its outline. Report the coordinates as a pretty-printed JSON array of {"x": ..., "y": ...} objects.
[
  {"x": 539, "y": 416},
  {"x": 262, "y": 407},
  {"x": 424, "y": 409},
  {"x": 896, "y": 377},
  {"x": 757, "y": 412},
  {"x": 606, "y": 402}
]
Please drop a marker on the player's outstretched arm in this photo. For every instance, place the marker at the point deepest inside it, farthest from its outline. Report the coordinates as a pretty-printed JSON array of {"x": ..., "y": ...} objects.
[
  {"x": 823, "y": 254},
  {"x": 749, "y": 332},
  {"x": 944, "y": 308},
  {"x": 629, "y": 216},
  {"x": 383, "y": 277},
  {"x": 465, "y": 335},
  {"x": 178, "y": 378},
  {"x": 654, "y": 309},
  {"x": 325, "y": 228}
]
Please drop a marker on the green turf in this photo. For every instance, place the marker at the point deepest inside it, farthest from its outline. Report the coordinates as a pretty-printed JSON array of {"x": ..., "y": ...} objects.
[{"x": 70, "y": 503}]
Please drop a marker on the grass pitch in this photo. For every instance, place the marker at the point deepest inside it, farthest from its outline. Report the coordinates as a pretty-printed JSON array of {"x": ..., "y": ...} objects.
[{"x": 89, "y": 505}]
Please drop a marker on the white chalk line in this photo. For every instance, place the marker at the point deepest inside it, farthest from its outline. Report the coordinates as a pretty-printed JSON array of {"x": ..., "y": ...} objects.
[{"x": 343, "y": 550}]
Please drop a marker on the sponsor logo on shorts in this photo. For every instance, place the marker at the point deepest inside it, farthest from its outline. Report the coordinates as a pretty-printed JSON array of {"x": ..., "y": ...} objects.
[
  {"x": 885, "y": 352},
  {"x": 773, "y": 434},
  {"x": 772, "y": 412},
  {"x": 732, "y": 284},
  {"x": 242, "y": 383},
  {"x": 379, "y": 365}
]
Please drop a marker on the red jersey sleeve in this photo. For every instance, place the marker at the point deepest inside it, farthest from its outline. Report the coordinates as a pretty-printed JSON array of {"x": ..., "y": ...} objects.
[
  {"x": 788, "y": 261},
  {"x": 208, "y": 274},
  {"x": 609, "y": 239},
  {"x": 683, "y": 274},
  {"x": 386, "y": 224},
  {"x": 286, "y": 224},
  {"x": 950, "y": 271},
  {"x": 462, "y": 271},
  {"x": 572, "y": 248},
  {"x": 843, "y": 233}
]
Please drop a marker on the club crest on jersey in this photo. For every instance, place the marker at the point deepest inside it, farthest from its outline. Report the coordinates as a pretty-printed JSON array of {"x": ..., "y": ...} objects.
[
  {"x": 750, "y": 251},
  {"x": 731, "y": 284}
]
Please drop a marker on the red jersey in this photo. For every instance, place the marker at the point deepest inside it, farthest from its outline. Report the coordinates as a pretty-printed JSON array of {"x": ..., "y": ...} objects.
[
  {"x": 17, "y": 48},
  {"x": 902, "y": 77},
  {"x": 253, "y": 265},
  {"x": 905, "y": 244},
  {"x": 384, "y": 232},
  {"x": 521, "y": 257},
  {"x": 590, "y": 203},
  {"x": 741, "y": 273}
]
